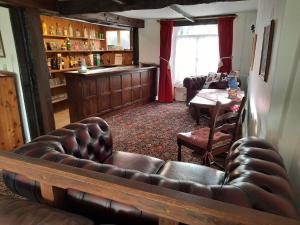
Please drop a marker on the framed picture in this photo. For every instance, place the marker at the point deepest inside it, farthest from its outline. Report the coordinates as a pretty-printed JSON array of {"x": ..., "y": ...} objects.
[
  {"x": 253, "y": 50},
  {"x": 266, "y": 53},
  {"x": 2, "y": 52}
]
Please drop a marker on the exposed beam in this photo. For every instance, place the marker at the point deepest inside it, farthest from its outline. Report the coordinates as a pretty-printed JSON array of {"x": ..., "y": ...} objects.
[
  {"x": 39, "y": 4},
  {"x": 94, "y": 6},
  {"x": 187, "y": 16},
  {"x": 119, "y": 2},
  {"x": 109, "y": 19}
]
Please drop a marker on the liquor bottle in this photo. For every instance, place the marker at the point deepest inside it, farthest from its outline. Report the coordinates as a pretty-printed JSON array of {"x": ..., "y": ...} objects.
[
  {"x": 62, "y": 63},
  {"x": 44, "y": 27},
  {"x": 58, "y": 61},
  {"x": 65, "y": 31},
  {"x": 85, "y": 33},
  {"x": 49, "y": 63},
  {"x": 53, "y": 63},
  {"x": 58, "y": 30},
  {"x": 70, "y": 31},
  {"x": 68, "y": 44}
]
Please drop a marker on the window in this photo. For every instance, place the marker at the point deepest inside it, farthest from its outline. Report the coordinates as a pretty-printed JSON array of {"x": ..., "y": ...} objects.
[
  {"x": 196, "y": 51},
  {"x": 112, "y": 39},
  {"x": 125, "y": 39},
  {"x": 118, "y": 39}
]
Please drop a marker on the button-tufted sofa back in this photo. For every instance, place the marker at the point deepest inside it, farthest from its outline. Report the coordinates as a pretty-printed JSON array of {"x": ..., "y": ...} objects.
[{"x": 90, "y": 139}]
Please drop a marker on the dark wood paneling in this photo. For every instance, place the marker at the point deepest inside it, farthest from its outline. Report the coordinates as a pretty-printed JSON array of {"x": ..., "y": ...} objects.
[{"x": 98, "y": 94}]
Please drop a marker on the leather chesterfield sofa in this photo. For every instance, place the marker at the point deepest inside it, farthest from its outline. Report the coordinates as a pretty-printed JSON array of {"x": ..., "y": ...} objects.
[
  {"x": 17, "y": 211},
  {"x": 195, "y": 84},
  {"x": 254, "y": 175}
]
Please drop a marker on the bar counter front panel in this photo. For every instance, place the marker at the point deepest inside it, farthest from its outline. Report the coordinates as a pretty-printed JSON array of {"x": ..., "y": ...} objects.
[{"x": 105, "y": 90}]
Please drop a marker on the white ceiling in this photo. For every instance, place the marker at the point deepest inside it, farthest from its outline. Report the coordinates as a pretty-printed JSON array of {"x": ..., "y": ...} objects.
[{"x": 194, "y": 10}]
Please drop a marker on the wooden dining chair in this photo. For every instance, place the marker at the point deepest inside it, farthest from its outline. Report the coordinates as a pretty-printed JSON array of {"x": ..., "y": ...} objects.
[{"x": 218, "y": 137}]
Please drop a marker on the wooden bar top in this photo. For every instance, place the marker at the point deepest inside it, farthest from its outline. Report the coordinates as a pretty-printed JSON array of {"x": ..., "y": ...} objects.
[{"x": 110, "y": 70}]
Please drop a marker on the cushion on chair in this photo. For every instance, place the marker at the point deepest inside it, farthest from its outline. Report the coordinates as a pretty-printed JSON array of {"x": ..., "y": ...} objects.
[
  {"x": 200, "y": 138},
  {"x": 192, "y": 172},
  {"x": 133, "y": 161}
]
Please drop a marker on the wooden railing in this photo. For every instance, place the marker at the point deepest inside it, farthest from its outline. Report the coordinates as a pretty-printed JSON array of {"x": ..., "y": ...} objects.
[{"x": 169, "y": 205}]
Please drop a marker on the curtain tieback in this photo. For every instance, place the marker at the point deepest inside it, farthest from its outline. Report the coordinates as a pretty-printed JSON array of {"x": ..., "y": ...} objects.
[
  {"x": 167, "y": 61},
  {"x": 220, "y": 64}
]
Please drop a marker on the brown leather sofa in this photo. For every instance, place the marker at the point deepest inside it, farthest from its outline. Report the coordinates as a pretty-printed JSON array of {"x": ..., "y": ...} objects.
[
  {"x": 17, "y": 211},
  {"x": 195, "y": 84},
  {"x": 254, "y": 176}
]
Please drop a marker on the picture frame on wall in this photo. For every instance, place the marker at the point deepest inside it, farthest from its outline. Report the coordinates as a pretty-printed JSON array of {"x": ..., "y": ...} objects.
[
  {"x": 254, "y": 41},
  {"x": 266, "y": 53},
  {"x": 2, "y": 51}
]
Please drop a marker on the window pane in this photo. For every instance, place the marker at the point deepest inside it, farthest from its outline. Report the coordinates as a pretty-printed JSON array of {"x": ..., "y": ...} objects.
[
  {"x": 112, "y": 39},
  {"x": 199, "y": 30},
  {"x": 185, "y": 63},
  {"x": 196, "y": 51},
  {"x": 125, "y": 39},
  {"x": 207, "y": 54}
]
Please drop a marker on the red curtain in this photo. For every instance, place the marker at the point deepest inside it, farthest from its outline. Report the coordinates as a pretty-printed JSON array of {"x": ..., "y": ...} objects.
[
  {"x": 165, "y": 93},
  {"x": 225, "y": 27}
]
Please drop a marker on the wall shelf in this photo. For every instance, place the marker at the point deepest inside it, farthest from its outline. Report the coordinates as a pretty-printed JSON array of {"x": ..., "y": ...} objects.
[
  {"x": 57, "y": 86},
  {"x": 74, "y": 38},
  {"x": 59, "y": 100}
]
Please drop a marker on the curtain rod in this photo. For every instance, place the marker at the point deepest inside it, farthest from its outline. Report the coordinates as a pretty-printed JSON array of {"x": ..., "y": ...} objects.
[{"x": 202, "y": 17}]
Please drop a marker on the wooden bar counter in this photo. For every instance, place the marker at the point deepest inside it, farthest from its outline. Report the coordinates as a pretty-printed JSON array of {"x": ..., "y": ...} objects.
[{"x": 104, "y": 90}]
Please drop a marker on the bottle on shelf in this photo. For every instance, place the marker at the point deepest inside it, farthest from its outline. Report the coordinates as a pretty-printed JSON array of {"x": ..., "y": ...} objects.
[
  {"x": 68, "y": 44},
  {"x": 59, "y": 60},
  {"x": 44, "y": 28},
  {"x": 53, "y": 63},
  {"x": 85, "y": 33},
  {"x": 70, "y": 31},
  {"x": 65, "y": 31},
  {"x": 58, "y": 30},
  {"x": 49, "y": 63}
]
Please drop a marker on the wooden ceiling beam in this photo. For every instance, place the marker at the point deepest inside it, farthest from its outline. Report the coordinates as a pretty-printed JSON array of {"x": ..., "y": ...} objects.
[
  {"x": 109, "y": 19},
  {"x": 39, "y": 4},
  {"x": 67, "y": 7}
]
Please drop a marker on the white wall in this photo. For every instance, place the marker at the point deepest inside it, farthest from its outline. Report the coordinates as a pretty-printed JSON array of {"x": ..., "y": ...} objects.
[
  {"x": 10, "y": 62},
  {"x": 149, "y": 42},
  {"x": 242, "y": 44},
  {"x": 275, "y": 104}
]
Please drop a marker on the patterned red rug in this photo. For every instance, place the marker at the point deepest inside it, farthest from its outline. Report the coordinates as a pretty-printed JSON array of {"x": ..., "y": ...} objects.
[{"x": 152, "y": 129}]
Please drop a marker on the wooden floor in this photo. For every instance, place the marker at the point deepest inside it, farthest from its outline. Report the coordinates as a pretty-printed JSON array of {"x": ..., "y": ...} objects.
[{"x": 61, "y": 118}]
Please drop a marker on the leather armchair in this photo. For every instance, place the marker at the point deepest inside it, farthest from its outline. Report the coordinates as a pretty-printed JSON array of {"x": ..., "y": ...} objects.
[{"x": 254, "y": 176}]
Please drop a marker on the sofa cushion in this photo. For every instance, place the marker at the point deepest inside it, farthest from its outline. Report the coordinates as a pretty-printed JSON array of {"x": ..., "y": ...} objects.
[
  {"x": 133, "y": 161},
  {"x": 16, "y": 211},
  {"x": 192, "y": 172}
]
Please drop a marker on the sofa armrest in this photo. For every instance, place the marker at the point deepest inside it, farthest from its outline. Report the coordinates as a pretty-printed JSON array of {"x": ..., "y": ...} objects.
[{"x": 193, "y": 85}]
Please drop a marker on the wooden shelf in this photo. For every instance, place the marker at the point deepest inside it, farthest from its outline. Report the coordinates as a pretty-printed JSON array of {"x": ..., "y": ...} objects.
[
  {"x": 78, "y": 38},
  {"x": 57, "y": 86},
  {"x": 59, "y": 100}
]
